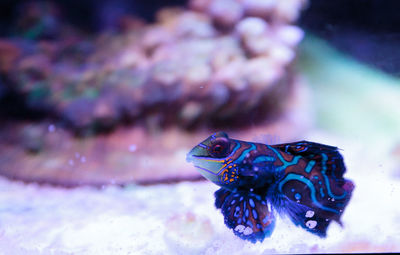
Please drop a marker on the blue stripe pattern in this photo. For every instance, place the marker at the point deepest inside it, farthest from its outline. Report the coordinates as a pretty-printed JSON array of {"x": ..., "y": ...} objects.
[{"x": 301, "y": 178}]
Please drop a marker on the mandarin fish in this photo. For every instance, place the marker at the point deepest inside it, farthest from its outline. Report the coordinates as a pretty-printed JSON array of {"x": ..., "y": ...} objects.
[{"x": 302, "y": 180}]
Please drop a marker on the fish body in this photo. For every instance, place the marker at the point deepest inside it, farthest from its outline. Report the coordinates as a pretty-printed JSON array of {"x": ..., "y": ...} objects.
[{"x": 302, "y": 180}]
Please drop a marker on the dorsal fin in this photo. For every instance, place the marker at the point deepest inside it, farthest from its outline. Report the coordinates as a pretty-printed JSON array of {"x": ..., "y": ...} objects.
[{"x": 316, "y": 151}]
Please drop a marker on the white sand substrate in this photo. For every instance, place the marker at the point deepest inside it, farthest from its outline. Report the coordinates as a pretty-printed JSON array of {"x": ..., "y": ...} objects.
[{"x": 181, "y": 218}]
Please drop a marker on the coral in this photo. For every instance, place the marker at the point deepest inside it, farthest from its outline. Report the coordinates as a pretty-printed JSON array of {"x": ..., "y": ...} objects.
[{"x": 215, "y": 63}]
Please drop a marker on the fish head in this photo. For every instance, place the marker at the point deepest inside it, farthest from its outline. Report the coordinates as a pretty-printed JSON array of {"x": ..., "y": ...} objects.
[{"x": 212, "y": 155}]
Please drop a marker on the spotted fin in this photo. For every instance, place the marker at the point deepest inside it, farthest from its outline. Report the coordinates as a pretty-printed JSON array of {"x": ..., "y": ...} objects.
[
  {"x": 247, "y": 214},
  {"x": 220, "y": 196}
]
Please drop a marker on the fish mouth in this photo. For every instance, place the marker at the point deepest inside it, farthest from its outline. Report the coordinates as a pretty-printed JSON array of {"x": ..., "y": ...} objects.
[
  {"x": 194, "y": 154},
  {"x": 189, "y": 158},
  {"x": 205, "y": 168}
]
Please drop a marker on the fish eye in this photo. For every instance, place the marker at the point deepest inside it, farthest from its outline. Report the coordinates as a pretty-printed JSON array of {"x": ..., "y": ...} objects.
[{"x": 219, "y": 148}]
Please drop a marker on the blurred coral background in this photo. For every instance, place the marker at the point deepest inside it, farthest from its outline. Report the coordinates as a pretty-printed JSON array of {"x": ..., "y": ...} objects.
[{"x": 101, "y": 100}]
